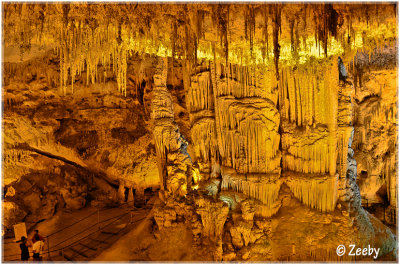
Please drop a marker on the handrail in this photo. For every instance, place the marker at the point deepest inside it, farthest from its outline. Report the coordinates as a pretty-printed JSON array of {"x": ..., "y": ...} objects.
[
  {"x": 77, "y": 241},
  {"x": 88, "y": 228},
  {"x": 80, "y": 220},
  {"x": 62, "y": 229},
  {"x": 98, "y": 210}
]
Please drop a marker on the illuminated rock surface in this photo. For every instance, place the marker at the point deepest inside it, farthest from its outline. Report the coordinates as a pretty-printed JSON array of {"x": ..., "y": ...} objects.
[{"x": 264, "y": 128}]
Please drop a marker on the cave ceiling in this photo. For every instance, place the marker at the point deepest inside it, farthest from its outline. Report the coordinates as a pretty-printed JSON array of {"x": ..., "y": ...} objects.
[{"x": 88, "y": 35}]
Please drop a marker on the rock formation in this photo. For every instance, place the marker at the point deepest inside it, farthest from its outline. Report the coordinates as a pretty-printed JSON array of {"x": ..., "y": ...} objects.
[{"x": 265, "y": 127}]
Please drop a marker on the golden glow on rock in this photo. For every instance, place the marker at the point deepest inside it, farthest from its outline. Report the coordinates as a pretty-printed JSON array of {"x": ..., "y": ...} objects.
[
  {"x": 196, "y": 177},
  {"x": 89, "y": 36}
]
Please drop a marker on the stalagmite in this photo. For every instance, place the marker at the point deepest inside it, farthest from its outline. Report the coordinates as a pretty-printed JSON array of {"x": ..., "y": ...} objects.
[
  {"x": 213, "y": 216},
  {"x": 130, "y": 199},
  {"x": 121, "y": 193}
]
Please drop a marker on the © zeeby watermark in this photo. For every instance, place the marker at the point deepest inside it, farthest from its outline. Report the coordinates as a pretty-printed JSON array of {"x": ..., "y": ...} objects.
[{"x": 354, "y": 251}]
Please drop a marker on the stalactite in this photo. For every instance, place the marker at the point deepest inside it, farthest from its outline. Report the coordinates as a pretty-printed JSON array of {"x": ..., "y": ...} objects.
[
  {"x": 307, "y": 152},
  {"x": 174, "y": 39},
  {"x": 84, "y": 43},
  {"x": 249, "y": 144},
  {"x": 221, "y": 20},
  {"x": 204, "y": 139},
  {"x": 250, "y": 26},
  {"x": 276, "y": 19},
  {"x": 200, "y": 103},
  {"x": 265, "y": 32},
  {"x": 200, "y": 22},
  {"x": 291, "y": 26},
  {"x": 308, "y": 100},
  {"x": 246, "y": 117}
]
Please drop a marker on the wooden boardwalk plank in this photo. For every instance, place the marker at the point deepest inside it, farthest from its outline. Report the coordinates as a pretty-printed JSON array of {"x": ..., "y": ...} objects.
[{"x": 78, "y": 252}]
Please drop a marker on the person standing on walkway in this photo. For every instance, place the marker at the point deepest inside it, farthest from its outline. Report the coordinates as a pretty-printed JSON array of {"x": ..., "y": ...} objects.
[
  {"x": 37, "y": 235},
  {"x": 24, "y": 249},
  {"x": 37, "y": 248}
]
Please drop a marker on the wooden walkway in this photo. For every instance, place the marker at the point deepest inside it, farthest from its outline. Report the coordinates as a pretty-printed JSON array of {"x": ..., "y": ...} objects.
[{"x": 86, "y": 238}]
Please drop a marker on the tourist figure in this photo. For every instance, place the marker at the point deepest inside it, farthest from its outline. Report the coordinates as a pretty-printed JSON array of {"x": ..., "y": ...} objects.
[
  {"x": 37, "y": 248},
  {"x": 24, "y": 249},
  {"x": 39, "y": 236}
]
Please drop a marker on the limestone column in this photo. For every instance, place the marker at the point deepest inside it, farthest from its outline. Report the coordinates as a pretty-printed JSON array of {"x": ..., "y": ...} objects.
[
  {"x": 173, "y": 159},
  {"x": 121, "y": 192},
  {"x": 131, "y": 199}
]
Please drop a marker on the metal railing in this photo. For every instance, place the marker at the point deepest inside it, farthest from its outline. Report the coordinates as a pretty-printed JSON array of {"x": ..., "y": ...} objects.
[{"x": 52, "y": 249}]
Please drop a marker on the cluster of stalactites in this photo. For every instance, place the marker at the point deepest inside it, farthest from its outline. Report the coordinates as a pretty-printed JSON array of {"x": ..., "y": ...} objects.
[
  {"x": 308, "y": 106},
  {"x": 14, "y": 156},
  {"x": 247, "y": 120},
  {"x": 311, "y": 150},
  {"x": 204, "y": 139},
  {"x": 264, "y": 211},
  {"x": 200, "y": 93},
  {"x": 84, "y": 47},
  {"x": 249, "y": 135},
  {"x": 200, "y": 104},
  {"x": 89, "y": 36},
  {"x": 378, "y": 113},
  {"x": 316, "y": 192},
  {"x": 308, "y": 94},
  {"x": 233, "y": 113},
  {"x": 329, "y": 254},
  {"x": 90, "y": 39},
  {"x": 259, "y": 186},
  {"x": 244, "y": 81}
]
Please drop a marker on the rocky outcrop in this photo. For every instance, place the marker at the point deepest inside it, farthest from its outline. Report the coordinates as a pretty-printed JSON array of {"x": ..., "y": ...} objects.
[{"x": 213, "y": 216}]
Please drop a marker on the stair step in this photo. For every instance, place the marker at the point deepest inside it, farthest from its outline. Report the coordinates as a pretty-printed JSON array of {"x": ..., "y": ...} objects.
[
  {"x": 56, "y": 259},
  {"x": 89, "y": 247},
  {"x": 68, "y": 257},
  {"x": 78, "y": 252},
  {"x": 99, "y": 241},
  {"x": 109, "y": 233}
]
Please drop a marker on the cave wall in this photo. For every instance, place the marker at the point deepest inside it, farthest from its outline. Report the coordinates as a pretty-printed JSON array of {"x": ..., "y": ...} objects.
[
  {"x": 375, "y": 139},
  {"x": 76, "y": 150}
]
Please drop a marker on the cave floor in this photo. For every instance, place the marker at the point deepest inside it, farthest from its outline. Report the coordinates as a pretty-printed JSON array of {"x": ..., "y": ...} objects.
[
  {"x": 298, "y": 233},
  {"x": 81, "y": 241},
  {"x": 144, "y": 243}
]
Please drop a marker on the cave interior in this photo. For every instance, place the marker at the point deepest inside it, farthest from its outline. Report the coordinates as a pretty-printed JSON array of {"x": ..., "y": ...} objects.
[{"x": 200, "y": 132}]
